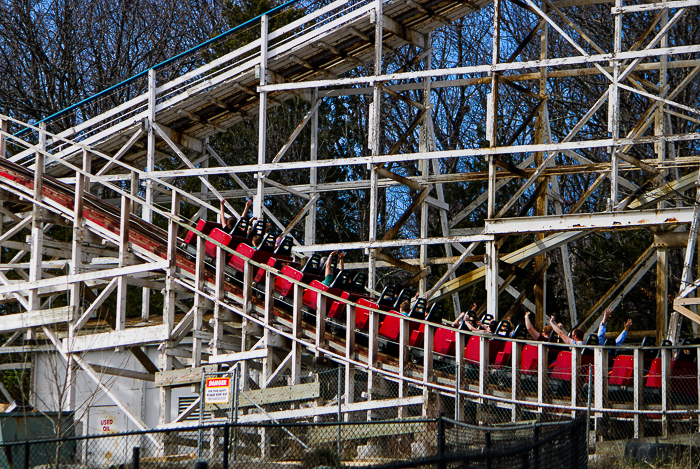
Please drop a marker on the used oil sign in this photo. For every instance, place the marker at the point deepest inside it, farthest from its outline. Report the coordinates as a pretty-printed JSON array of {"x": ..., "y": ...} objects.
[{"x": 217, "y": 391}]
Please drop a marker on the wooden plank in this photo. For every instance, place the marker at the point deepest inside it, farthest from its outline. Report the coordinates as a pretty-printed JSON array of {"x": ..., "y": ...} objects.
[
  {"x": 238, "y": 356},
  {"x": 42, "y": 317},
  {"x": 108, "y": 370},
  {"x": 328, "y": 434},
  {"x": 687, "y": 313},
  {"x": 183, "y": 377},
  {"x": 145, "y": 361},
  {"x": 299, "y": 392},
  {"x": 140, "y": 335}
]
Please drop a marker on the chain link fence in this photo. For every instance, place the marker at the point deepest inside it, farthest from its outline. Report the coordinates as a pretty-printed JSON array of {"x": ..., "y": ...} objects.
[{"x": 436, "y": 443}]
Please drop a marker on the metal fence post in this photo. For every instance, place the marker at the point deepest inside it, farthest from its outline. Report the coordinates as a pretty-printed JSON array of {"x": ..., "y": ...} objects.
[
  {"x": 26, "y": 455},
  {"x": 536, "y": 449},
  {"x": 136, "y": 457},
  {"x": 441, "y": 441},
  {"x": 225, "y": 455},
  {"x": 487, "y": 448}
]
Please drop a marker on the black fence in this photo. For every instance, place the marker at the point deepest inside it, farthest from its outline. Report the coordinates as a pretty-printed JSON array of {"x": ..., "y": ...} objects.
[{"x": 421, "y": 443}]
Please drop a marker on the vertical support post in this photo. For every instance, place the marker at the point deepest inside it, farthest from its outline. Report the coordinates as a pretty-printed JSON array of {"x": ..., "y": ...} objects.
[
  {"x": 262, "y": 118},
  {"x": 459, "y": 367},
  {"x": 542, "y": 368},
  {"x": 427, "y": 364},
  {"x": 665, "y": 394},
  {"x": 296, "y": 332},
  {"x": 375, "y": 129},
  {"x": 246, "y": 307},
  {"x": 75, "y": 269},
  {"x": 199, "y": 302},
  {"x": 516, "y": 353},
  {"x": 122, "y": 284},
  {"x": 321, "y": 302},
  {"x": 540, "y": 289},
  {"x": 661, "y": 293},
  {"x": 575, "y": 366},
  {"x": 166, "y": 358},
  {"x": 372, "y": 355},
  {"x": 424, "y": 168},
  {"x": 219, "y": 310},
  {"x": 441, "y": 442},
  {"x": 3, "y": 139},
  {"x": 268, "y": 365},
  {"x": 403, "y": 348},
  {"x": 483, "y": 367},
  {"x": 135, "y": 457},
  {"x": 146, "y": 212},
  {"x": 638, "y": 387},
  {"x": 614, "y": 109},
  {"x": 491, "y": 260},
  {"x": 600, "y": 362},
  {"x": 349, "y": 355},
  {"x": 226, "y": 445},
  {"x": 310, "y": 228},
  {"x": 37, "y": 220}
]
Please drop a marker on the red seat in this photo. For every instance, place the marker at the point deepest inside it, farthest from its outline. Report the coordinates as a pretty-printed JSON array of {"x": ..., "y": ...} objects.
[
  {"x": 529, "y": 360},
  {"x": 622, "y": 370},
  {"x": 217, "y": 235},
  {"x": 255, "y": 255},
  {"x": 682, "y": 380},
  {"x": 390, "y": 328},
  {"x": 275, "y": 263},
  {"x": 503, "y": 357},
  {"x": 472, "y": 352},
  {"x": 362, "y": 315},
  {"x": 334, "y": 308},
  {"x": 283, "y": 286},
  {"x": 203, "y": 226},
  {"x": 416, "y": 337},
  {"x": 444, "y": 341}
]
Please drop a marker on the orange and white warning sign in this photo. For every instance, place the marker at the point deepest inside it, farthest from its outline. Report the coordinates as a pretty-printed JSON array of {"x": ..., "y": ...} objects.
[{"x": 217, "y": 391}]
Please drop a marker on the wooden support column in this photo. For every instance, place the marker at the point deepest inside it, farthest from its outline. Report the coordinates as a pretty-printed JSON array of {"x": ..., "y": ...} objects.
[
  {"x": 219, "y": 310},
  {"x": 146, "y": 212},
  {"x": 349, "y": 355},
  {"x": 403, "y": 349},
  {"x": 262, "y": 117},
  {"x": 245, "y": 335},
  {"x": 491, "y": 256},
  {"x": 661, "y": 293},
  {"x": 3, "y": 139},
  {"x": 198, "y": 307},
  {"x": 614, "y": 110},
  {"x": 665, "y": 392},
  {"x": 516, "y": 353},
  {"x": 542, "y": 368},
  {"x": 76, "y": 267},
  {"x": 166, "y": 359},
  {"x": 575, "y": 366},
  {"x": 374, "y": 134},
  {"x": 321, "y": 301},
  {"x": 483, "y": 367},
  {"x": 372, "y": 358},
  {"x": 638, "y": 390},
  {"x": 600, "y": 383},
  {"x": 268, "y": 364},
  {"x": 540, "y": 290},
  {"x": 296, "y": 332},
  {"x": 310, "y": 227},
  {"x": 122, "y": 283},
  {"x": 37, "y": 223},
  {"x": 424, "y": 168},
  {"x": 459, "y": 366},
  {"x": 427, "y": 365}
]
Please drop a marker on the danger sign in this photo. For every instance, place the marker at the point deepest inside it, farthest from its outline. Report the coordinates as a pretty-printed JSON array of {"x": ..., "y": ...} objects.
[{"x": 217, "y": 391}]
